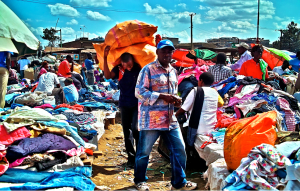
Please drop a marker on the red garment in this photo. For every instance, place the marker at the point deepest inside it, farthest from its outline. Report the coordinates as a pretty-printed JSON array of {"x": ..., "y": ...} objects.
[
  {"x": 45, "y": 106},
  {"x": 9, "y": 138},
  {"x": 89, "y": 152},
  {"x": 157, "y": 39},
  {"x": 74, "y": 107},
  {"x": 224, "y": 121},
  {"x": 64, "y": 68}
]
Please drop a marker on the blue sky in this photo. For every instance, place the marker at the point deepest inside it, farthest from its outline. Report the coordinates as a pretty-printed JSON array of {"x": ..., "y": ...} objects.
[{"x": 214, "y": 18}]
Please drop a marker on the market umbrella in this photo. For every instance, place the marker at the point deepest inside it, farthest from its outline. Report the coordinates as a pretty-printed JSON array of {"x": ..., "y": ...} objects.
[{"x": 14, "y": 34}]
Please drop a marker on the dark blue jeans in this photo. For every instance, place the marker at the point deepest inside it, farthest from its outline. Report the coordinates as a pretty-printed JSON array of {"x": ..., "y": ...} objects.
[{"x": 174, "y": 142}]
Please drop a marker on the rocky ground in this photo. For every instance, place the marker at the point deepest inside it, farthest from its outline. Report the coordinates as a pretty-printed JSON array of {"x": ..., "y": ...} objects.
[{"x": 110, "y": 171}]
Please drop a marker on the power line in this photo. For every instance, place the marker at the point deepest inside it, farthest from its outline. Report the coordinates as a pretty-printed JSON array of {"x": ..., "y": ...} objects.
[{"x": 98, "y": 9}]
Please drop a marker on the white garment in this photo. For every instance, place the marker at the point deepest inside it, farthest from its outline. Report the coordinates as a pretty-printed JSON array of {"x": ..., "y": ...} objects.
[
  {"x": 47, "y": 82},
  {"x": 23, "y": 64},
  {"x": 279, "y": 70},
  {"x": 245, "y": 57},
  {"x": 208, "y": 118}
]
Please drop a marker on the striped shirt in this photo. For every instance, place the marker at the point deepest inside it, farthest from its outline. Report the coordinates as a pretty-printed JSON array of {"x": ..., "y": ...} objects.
[
  {"x": 154, "y": 113},
  {"x": 220, "y": 72}
]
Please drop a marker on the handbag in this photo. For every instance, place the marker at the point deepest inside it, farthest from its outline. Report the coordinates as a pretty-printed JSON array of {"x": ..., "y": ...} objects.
[
  {"x": 195, "y": 116},
  {"x": 183, "y": 117}
]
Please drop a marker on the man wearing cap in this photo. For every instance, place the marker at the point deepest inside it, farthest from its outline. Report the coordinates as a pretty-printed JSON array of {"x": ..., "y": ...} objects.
[
  {"x": 245, "y": 56},
  {"x": 156, "y": 90}
]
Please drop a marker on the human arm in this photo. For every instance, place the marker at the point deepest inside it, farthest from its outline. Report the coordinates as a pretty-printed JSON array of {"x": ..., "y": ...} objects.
[
  {"x": 187, "y": 105},
  {"x": 8, "y": 60},
  {"x": 72, "y": 66},
  {"x": 108, "y": 74}
]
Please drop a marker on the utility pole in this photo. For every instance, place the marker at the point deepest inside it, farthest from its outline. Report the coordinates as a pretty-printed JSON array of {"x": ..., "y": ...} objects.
[
  {"x": 280, "y": 39},
  {"x": 60, "y": 38},
  {"x": 257, "y": 36},
  {"x": 192, "y": 45}
]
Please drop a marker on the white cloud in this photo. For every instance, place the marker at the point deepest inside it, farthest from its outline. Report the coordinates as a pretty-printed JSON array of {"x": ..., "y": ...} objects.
[
  {"x": 202, "y": 7},
  {"x": 91, "y": 3},
  {"x": 183, "y": 5},
  {"x": 169, "y": 20},
  {"x": 62, "y": 9},
  {"x": 183, "y": 35},
  {"x": 228, "y": 10},
  {"x": 97, "y": 16},
  {"x": 236, "y": 27},
  {"x": 72, "y": 22},
  {"x": 37, "y": 31}
]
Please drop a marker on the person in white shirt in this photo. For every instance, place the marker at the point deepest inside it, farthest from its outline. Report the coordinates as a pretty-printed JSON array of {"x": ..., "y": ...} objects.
[
  {"x": 245, "y": 55},
  {"x": 283, "y": 68},
  {"x": 47, "y": 84},
  {"x": 208, "y": 117},
  {"x": 23, "y": 64}
]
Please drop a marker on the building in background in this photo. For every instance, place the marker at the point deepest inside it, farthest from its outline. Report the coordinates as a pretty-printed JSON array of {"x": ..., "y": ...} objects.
[
  {"x": 228, "y": 42},
  {"x": 83, "y": 42}
]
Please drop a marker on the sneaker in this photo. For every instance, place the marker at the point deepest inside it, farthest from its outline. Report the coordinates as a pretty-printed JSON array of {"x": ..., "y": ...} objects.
[
  {"x": 142, "y": 186},
  {"x": 188, "y": 186}
]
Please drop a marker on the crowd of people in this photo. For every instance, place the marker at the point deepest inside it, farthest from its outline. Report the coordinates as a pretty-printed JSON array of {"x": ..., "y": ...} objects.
[{"x": 149, "y": 101}]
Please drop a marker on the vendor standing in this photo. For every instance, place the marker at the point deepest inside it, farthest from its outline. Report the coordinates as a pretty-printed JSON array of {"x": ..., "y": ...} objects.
[
  {"x": 127, "y": 73},
  {"x": 256, "y": 67},
  {"x": 89, "y": 64},
  {"x": 5, "y": 60},
  {"x": 245, "y": 56}
]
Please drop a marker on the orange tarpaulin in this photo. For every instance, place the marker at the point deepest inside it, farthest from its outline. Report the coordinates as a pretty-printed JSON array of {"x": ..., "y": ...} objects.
[
  {"x": 130, "y": 32},
  {"x": 143, "y": 54},
  {"x": 242, "y": 135}
]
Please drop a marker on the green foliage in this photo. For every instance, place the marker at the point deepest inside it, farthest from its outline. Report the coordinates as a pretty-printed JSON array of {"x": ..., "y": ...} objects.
[
  {"x": 49, "y": 34},
  {"x": 290, "y": 39}
]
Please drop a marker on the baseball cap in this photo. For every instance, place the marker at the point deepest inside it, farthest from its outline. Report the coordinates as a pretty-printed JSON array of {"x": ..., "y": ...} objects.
[
  {"x": 165, "y": 43},
  {"x": 243, "y": 44}
]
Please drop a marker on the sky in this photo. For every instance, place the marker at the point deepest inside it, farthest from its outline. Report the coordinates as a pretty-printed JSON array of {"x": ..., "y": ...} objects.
[{"x": 213, "y": 19}]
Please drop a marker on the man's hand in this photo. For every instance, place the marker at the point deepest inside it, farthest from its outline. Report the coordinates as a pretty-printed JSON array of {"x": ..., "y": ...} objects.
[
  {"x": 106, "y": 51},
  {"x": 167, "y": 98}
]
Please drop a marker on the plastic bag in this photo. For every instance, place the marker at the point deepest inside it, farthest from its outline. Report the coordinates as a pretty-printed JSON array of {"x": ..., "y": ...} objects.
[{"x": 242, "y": 135}]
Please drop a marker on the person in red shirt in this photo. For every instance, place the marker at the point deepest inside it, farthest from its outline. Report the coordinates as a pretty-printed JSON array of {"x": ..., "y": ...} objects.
[
  {"x": 252, "y": 67},
  {"x": 66, "y": 71}
]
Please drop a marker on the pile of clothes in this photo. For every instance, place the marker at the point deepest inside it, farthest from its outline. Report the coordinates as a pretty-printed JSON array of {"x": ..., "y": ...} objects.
[
  {"x": 245, "y": 97},
  {"x": 43, "y": 146}
]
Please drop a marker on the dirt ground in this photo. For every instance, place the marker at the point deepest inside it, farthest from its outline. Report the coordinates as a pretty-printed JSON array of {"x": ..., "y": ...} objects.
[{"x": 110, "y": 171}]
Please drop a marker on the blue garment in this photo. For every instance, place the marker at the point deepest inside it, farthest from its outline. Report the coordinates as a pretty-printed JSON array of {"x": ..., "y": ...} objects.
[
  {"x": 185, "y": 87},
  {"x": 99, "y": 105},
  {"x": 219, "y": 136},
  {"x": 60, "y": 110},
  {"x": 83, "y": 76},
  {"x": 77, "y": 178},
  {"x": 287, "y": 148},
  {"x": 89, "y": 64},
  {"x": 175, "y": 143},
  {"x": 69, "y": 128},
  {"x": 14, "y": 105},
  {"x": 228, "y": 80},
  {"x": 71, "y": 93},
  {"x": 3, "y": 59},
  {"x": 228, "y": 87},
  {"x": 127, "y": 85},
  {"x": 297, "y": 96},
  {"x": 234, "y": 182},
  {"x": 297, "y": 118},
  {"x": 9, "y": 98},
  {"x": 295, "y": 63},
  {"x": 269, "y": 98}
]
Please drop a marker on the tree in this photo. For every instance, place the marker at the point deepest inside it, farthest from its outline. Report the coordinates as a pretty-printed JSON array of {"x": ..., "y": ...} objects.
[
  {"x": 290, "y": 39},
  {"x": 49, "y": 34}
]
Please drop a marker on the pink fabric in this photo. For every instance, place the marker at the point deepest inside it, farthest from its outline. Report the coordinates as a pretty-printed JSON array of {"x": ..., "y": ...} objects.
[
  {"x": 72, "y": 152},
  {"x": 237, "y": 112},
  {"x": 289, "y": 114},
  {"x": 9, "y": 138},
  {"x": 198, "y": 70},
  {"x": 235, "y": 100},
  {"x": 43, "y": 71},
  {"x": 239, "y": 89},
  {"x": 45, "y": 106},
  {"x": 3, "y": 167},
  {"x": 18, "y": 162}
]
